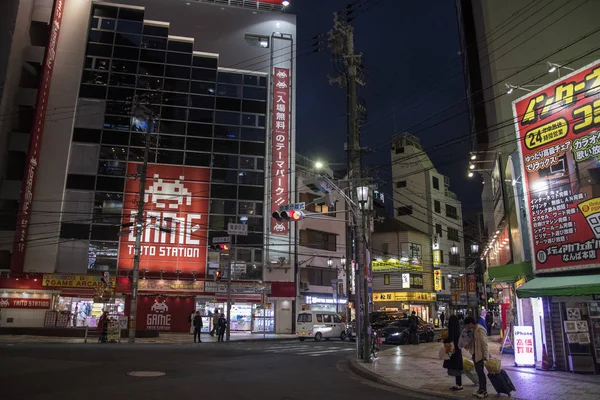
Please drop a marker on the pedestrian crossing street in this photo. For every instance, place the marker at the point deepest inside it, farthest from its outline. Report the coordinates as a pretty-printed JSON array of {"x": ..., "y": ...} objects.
[{"x": 307, "y": 349}]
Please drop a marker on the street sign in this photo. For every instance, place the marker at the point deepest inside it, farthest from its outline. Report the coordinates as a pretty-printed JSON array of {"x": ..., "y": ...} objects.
[
  {"x": 293, "y": 206},
  {"x": 222, "y": 239},
  {"x": 237, "y": 229},
  {"x": 369, "y": 290},
  {"x": 370, "y": 279}
]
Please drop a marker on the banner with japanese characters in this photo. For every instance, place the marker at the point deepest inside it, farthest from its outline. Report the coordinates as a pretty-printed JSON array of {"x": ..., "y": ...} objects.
[
  {"x": 280, "y": 147},
  {"x": 558, "y": 135},
  {"x": 175, "y": 226}
]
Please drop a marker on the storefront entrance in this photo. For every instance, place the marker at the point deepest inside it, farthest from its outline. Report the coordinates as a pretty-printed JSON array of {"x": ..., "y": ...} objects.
[
  {"x": 245, "y": 317},
  {"x": 83, "y": 312}
]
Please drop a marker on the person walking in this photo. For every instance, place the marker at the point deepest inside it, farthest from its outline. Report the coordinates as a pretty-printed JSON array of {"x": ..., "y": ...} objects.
[
  {"x": 442, "y": 318},
  {"x": 454, "y": 365},
  {"x": 489, "y": 322},
  {"x": 215, "y": 322},
  {"x": 478, "y": 347},
  {"x": 103, "y": 327},
  {"x": 197, "y": 326},
  {"x": 221, "y": 327},
  {"x": 413, "y": 327}
]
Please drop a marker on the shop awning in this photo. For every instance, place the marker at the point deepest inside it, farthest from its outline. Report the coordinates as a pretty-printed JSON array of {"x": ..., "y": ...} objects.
[
  {"x": 509, "y": 272},
  {"x": 582, "y": 285}
]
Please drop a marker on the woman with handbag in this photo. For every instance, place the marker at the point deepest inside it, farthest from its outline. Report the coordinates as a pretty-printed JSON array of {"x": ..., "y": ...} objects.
[{"x": 454, "y": 364}]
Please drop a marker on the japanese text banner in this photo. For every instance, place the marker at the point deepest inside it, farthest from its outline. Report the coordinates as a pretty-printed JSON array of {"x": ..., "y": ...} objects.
[
  {"x": 280, "y": 147},
  {"x": 559, "y": 142}
]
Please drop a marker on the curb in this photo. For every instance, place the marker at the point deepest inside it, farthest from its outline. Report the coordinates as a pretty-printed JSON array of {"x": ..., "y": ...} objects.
[
  {"x": 358, "y": 369},
  {"x": 250, "y": 340}
]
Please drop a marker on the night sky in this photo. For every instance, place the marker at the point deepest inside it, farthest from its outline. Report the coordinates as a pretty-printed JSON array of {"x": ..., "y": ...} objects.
[{"x": 413, "y": 67}]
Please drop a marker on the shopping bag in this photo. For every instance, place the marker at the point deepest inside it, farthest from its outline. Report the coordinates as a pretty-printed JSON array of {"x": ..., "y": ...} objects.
[
  {"x": 468, "y": 364},
  {"x": 472, "y": 375},
  {"x": 465, "y": 339},
  {"x": 449, "y": 347},
  {"x": 493, "y": 366},
  {"x": 442, "y": 354}
]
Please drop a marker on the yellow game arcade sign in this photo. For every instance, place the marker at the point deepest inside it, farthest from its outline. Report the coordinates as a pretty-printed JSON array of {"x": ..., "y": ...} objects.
[
  {"x": 394, "y": 265},
  {"x": 75, "y": 281}
]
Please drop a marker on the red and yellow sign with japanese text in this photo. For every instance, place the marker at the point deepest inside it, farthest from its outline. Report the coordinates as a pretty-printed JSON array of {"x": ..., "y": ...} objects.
[
  {"x": 558, "y": 128},
  {"x": 280, "y": 147},
  {"x": 175, "y": 220}
]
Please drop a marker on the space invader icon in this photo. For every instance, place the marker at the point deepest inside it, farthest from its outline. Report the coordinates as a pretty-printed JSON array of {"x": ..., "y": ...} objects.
[{"x": 168, "y": 193}]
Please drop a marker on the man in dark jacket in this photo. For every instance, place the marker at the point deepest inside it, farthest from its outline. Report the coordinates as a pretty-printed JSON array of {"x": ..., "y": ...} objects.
[
  {"x": 489, "y": 322},
  {"x": 197, "y": 326},
  {"x": 413, "y": 327}
]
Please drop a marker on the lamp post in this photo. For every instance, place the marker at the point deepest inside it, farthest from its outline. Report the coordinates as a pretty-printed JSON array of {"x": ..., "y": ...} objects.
[
  {"x": 362, "y": 195},
  {"x": 343, "y": 264}
]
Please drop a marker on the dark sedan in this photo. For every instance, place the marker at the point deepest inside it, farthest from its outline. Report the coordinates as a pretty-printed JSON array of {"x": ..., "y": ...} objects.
[{"x": 398, "y": 333}]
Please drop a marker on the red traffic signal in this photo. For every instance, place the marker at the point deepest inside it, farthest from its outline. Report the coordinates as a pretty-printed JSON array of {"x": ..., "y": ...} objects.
[
  {"x": 220, "y": 247},
  {"x": 292, "y": 215}
]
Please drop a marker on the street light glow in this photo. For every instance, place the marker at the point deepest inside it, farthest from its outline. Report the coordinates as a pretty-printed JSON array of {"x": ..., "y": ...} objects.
[
  {"x": 318, "y": 165},
  {"x": 285, "y": 3},
  {"x": 470, "y": 174}
]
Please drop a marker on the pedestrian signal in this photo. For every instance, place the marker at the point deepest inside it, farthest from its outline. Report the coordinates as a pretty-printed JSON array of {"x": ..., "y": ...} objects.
[{"x": 219, "y": 247}]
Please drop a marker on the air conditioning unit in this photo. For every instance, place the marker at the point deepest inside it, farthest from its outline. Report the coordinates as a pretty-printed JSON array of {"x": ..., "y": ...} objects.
[{"x": 304, "y": 286}]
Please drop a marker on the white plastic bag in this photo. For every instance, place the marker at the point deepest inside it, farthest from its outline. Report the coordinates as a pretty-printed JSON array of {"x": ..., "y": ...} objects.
[
  {"x": 465, "y": 339},
  {"x": 442, "y": 353}
]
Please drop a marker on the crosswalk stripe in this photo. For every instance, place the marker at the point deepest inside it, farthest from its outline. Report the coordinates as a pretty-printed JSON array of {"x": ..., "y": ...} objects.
[{"x": 317, "y": 352}]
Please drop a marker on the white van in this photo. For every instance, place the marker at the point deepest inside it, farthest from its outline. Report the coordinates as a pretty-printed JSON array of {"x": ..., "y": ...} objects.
[{"x": 319, "y": 325}]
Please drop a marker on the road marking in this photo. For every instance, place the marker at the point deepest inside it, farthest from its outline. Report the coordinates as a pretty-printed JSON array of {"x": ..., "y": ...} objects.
[
  {"x": 145, "y": 374},
  {"x": 317, "y": 352}
]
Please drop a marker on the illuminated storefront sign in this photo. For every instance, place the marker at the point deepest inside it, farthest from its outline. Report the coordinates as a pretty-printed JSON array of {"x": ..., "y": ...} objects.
[
  {"x": 76, "y": 281},
  {"x": 437, "y": 257},
  {"x": 394, "y": 265},
  {"x": 405, "y": 281},
  {"x": 559, "y": 143},
  {"x": 31, "y": 303},
  {"x": 404, "y": 296},
  {"x": 176, "y": 219},
  {"x": 170, "y": 285},
  {"x": 35, "y": 143},
  {"x": 524, "y": 353},
  {"x": 437, "y": 279},
  {"x": 324, "y": 300},
  {"x": 280, "y": 161}
]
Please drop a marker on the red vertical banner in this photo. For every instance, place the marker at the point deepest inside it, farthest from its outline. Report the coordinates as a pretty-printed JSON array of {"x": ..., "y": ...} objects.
[
  {"x": 19, "y": 244},
  {"x": 280, "y": 147}
]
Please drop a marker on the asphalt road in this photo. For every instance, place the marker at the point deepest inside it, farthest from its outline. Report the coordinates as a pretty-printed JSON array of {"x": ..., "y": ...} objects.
[{"x": 287, "y": 370}]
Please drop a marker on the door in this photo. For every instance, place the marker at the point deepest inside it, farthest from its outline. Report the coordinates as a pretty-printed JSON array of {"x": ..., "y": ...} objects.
[
  {"x": 304, "y": 324},
  {"x": 339, "y": 326},
  {"x": 329, "y": 330}
]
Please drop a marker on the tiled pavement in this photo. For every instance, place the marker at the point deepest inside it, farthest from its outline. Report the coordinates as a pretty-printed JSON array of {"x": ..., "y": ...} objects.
[
  {"x": 418, "y": 368},
  {"x": 165, "y": 338}
]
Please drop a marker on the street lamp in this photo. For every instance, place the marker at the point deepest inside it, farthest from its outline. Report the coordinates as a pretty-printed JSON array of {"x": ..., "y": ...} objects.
[
  {"x": 454, "y": 249},
  {"x": 474, "y": 248},
  {"x": 319, "y": 165},
  {"x": 329, "y": 262},
  {"x": 343, "y": 261}
]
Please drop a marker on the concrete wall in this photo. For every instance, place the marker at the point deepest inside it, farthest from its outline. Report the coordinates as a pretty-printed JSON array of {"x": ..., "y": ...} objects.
[{"x": 49, "y": 191}]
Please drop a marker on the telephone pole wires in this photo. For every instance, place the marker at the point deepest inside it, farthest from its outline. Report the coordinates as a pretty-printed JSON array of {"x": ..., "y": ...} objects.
[{"x": 147, "y": 114}]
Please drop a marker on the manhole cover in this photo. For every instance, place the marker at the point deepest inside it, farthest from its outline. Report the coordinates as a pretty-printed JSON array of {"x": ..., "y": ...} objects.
[{"x": 145, "y": 374}]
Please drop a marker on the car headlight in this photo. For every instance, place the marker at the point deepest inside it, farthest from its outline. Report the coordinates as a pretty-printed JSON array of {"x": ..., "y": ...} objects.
[{"x": 396, "y": 334}]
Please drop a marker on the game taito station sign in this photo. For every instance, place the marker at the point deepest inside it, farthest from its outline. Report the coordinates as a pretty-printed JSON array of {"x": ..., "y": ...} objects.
[{"x": 558, "y": 130}]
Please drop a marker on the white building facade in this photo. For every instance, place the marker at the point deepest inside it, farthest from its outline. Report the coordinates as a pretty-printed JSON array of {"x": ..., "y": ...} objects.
[{"x": 423, "y": 200}]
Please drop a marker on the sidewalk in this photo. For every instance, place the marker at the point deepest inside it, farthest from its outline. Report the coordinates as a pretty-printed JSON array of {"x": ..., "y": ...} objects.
[
  {"x": 418, "y": 369},
  {"x": 164, "y": 338}
]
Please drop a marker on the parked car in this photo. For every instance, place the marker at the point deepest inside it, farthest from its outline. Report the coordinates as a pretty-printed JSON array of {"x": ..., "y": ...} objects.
[
  {"x": 378, "y": 320},
  {"x": 398, "y": 332}
]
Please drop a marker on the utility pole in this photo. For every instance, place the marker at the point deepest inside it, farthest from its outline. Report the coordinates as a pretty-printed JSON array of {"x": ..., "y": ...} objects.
[
  {"x": 148, "y": 114},
  {"x": 231, "y": 264},
  {"x": 341, "y": 40}
]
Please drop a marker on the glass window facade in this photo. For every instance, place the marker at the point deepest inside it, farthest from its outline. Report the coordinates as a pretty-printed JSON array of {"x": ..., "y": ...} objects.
[{"x": 206, "y": 117}]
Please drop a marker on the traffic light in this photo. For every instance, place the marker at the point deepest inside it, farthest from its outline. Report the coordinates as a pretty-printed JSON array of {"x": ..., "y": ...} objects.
[
  {"x": 219, "y": 247},
  {"x": 292, "y": 215},
  {"x": 218, "y": 276}
]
